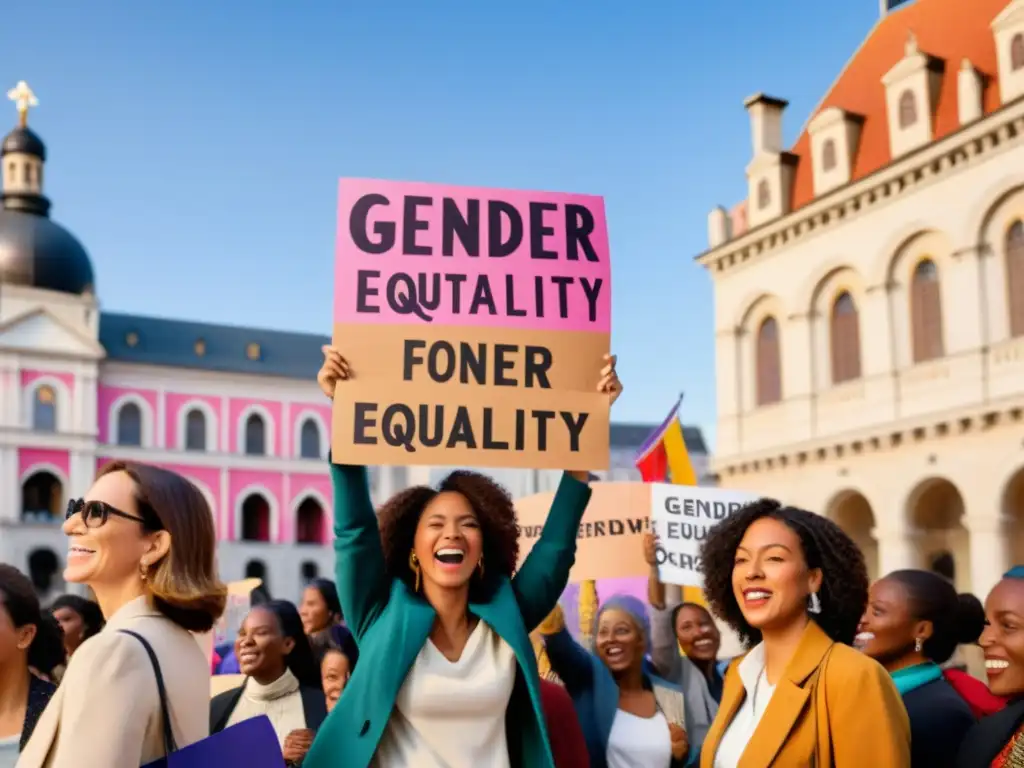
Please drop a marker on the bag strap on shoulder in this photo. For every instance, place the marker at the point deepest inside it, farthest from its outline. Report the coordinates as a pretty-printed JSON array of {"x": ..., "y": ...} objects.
[{"x": 170, "y": 745}]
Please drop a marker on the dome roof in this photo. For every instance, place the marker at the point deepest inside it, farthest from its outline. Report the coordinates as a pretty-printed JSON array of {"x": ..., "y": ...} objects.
[
  {"x": 23, "y": 140},
  {"x": 39, "y": 253}
]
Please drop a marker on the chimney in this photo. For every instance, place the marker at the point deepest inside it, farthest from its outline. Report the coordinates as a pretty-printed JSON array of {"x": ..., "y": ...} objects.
[
  {"x": 765, "y": 123},
  {"x": 718, "y": 227},
  {"x": 969, "y": 87}
]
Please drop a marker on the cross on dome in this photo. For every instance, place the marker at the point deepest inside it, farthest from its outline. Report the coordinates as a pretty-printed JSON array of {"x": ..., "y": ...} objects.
[{"x": 24, "y": 99}]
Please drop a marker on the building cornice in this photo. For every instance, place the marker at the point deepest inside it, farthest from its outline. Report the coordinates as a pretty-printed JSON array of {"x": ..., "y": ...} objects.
[
  {"x": 874, "y": 439},
  {"x": 994, "y": 133}
]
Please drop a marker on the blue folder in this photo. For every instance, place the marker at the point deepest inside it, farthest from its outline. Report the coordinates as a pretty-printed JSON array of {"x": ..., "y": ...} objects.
[{"x": 252, "y": 743}]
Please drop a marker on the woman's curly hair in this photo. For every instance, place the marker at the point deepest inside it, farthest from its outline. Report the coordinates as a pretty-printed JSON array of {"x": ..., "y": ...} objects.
[
  {"x": 844, "y": 586},
  {"x": 495, "y": 513}
]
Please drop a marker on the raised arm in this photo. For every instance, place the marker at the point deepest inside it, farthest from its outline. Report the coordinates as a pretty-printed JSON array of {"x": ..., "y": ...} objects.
[
  {"x": 569, "y": 660},
  {"x": 664, "y": 646},
  {"x": 358, "y": 556},
  {"x": 545, "y": 572}
]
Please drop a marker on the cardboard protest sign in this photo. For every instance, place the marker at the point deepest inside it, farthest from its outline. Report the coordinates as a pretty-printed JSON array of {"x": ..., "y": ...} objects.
[
  {"x": 503, "y": 297},
  {"x": 610, "y": 540},
  {"x": 680, "y": 517}
]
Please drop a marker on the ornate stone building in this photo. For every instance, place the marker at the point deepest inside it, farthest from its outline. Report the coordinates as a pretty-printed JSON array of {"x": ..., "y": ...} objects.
[{"x": 869, "y": 296}]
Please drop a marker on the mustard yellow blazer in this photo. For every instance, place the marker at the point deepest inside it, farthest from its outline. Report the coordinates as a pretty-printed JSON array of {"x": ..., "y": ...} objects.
[{"x": 833, "y": 707}]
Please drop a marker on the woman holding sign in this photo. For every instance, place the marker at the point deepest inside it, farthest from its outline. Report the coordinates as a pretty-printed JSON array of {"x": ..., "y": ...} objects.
[
  {"x": 447, "y": 675},
  {"x": 793, "y": 586}
]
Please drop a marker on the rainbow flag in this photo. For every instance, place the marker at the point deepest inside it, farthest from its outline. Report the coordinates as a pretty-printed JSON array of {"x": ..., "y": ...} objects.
[{"x": 663, "y": 456}]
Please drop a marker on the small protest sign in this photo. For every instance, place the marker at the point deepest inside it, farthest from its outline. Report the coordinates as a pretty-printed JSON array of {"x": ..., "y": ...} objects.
[
  {"x": 681, "y": 516},
  {"x": 609, "y": 544},
  {"x": 502, "y": 296}
]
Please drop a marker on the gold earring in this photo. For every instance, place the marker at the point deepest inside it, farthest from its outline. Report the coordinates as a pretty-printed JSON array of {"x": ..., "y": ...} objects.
[
  {"x": 480, "y": 565},
  {"x": 414, "y": 566},
  {"x": 143, "y": 570},
  {"x": 918, "y": 644}
]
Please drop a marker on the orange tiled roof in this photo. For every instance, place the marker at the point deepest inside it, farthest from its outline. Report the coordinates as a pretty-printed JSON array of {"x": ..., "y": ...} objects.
[{"x": 947, "y": 29}]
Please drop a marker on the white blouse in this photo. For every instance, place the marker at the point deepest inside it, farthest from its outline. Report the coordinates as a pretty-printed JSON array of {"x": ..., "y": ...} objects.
[
  {"x": 451, "y": 714},
  {"x": 639, "y": 742},
  {"x": 743, "y": 725}
]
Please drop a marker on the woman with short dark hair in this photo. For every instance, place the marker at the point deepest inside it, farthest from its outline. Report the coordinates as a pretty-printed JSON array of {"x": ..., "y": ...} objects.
[
  {"x": 912, "y": 625},
  {"x": 79, "y": 618},
  {"x": 794, "y": 586},
  {"x": 320, "y": 608},
  {"x": 27, "y": 640},
  {"x": 143, "y": 540}
]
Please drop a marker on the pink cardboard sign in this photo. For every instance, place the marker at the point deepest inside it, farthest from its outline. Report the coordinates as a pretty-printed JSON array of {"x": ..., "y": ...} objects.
[{"x": 416, "y": 253}]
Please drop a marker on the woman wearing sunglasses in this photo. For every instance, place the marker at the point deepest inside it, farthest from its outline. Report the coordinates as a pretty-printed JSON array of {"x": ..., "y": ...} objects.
[{"x": 143, "y": 540}]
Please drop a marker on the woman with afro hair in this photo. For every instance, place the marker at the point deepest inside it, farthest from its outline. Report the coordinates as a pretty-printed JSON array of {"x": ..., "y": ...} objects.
[
  {"x": 447, "y": 675},
  {"x": 793, "y": 586}
]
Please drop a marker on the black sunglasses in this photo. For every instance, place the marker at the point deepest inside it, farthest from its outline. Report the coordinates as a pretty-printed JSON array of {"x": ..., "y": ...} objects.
[{"x": 96, "y": 513}]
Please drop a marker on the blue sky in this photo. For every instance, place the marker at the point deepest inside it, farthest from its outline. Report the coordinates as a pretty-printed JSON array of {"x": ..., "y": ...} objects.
[{"x": 195, "y": 147}]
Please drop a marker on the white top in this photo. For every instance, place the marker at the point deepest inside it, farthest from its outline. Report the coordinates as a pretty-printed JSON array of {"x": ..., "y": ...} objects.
[
  {"x": 280, "y": 701},
  {"x": 742, "y": 727},
  {"x": 639, "y": 742},
  {"x": 9, "y": 750},
  {"x": 451, "y": 714}
]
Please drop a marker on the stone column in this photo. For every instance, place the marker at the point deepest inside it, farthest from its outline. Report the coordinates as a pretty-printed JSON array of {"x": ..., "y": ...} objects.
[
  {"x": 988, "y": 545},
  {"x": 897, "y": 549}
]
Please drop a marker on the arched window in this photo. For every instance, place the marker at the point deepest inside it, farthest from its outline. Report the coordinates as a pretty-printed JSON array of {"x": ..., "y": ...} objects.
[
  {"x": 768, "y": 362},
  {"x": 309, "y": 440},
  {"x": 44, "y": 570},
  {"x": 845, "y": 339},
  {"x": 195, "y": 430},
  {"x": 926, "y": 312},
  {"x": 309, "y": 571},
  {"x": 256, "y": 569},
  {"x": 1017, "y": 52},
  {"x": 1015, "y": 274},
  {"x": 907, "y": 109},
  {"x": 44, "y": 409},
  {"x": 255, "y": 518},
  {"x": 42, "y": 498},
  {"x": 764, "y": 194},
  {"x": 255, "y": 435},
  {"x": 129, "y": 425},
  {"x": 828, "y": 155},
  {"x": 309, "y": 523}
]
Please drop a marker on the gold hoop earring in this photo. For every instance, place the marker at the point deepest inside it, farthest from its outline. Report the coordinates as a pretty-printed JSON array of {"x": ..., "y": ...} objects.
[{"x": 414, "y": 566}]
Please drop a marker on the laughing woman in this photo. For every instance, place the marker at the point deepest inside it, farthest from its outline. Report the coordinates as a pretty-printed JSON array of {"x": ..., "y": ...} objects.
[
  {"x": 447, "y": 675},
  {"x": 793, "y": 586},
  {"x": 631, "y": 719}
]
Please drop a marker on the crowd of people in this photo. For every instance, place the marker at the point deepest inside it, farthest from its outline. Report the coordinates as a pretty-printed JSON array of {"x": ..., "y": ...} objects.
[{"x": 421, "y": 653}]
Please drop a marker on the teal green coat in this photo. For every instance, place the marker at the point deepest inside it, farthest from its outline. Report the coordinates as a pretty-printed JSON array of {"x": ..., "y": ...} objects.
[{"x": 391, "y": 624}]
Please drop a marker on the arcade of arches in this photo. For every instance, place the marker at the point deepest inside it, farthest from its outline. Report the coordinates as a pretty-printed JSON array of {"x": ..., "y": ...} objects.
[{"x": 934, "y": 525}]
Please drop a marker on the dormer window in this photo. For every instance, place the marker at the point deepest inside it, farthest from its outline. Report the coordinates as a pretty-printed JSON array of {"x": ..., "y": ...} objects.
[
  {"x": 828, "y": 155},
  {"x": 908, "y": 109},
  {"x": 764, "y": 194},
  {"x": 1008, "y": 31}
]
